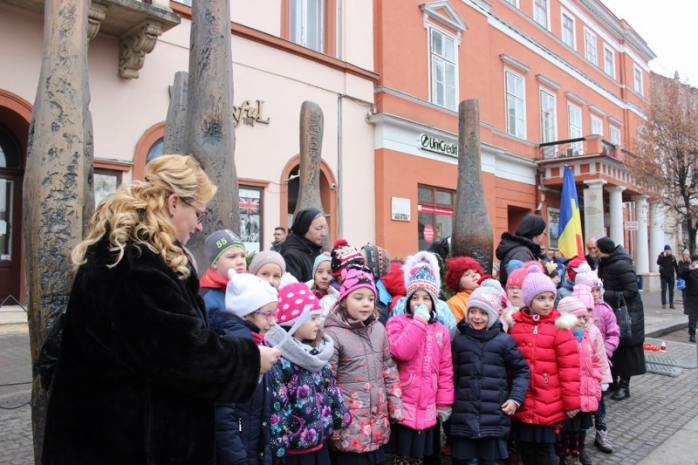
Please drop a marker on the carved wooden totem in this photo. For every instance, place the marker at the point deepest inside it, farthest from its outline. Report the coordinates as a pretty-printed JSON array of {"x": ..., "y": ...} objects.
[
  {"x": 312, "y": 125},
  {"x": 210, "y": 133},
  {"x": 175, "y": 123},
  {"x": 58, "y": 191},
  {"x": 472, "y": 229}
]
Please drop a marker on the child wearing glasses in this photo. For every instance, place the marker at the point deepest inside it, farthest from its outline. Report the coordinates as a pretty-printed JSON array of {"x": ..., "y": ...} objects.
[
  {"x": 242, "y": 432},
  {"x": 223, "y": 251},
  {"x": 308, "y": 406}
]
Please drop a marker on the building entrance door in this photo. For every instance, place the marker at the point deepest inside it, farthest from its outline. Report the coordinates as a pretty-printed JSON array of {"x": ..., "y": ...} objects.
[{"x": 11, "y": 177}]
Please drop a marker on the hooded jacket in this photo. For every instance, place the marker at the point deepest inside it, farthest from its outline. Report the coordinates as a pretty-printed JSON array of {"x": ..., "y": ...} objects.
[
  {"x": 482, "y": 361},
  {"x": 308, "y": 407},
  {"x": 367, "y": 374},
  {"x": 299, "y": 254},
  {"x": 423, "y": 354},
  {"x": 606, "y": 322},
  {"x": 552, "y": 353},
  {"x": 591, "y": 366},
  {"x": 513, "y": 247}
]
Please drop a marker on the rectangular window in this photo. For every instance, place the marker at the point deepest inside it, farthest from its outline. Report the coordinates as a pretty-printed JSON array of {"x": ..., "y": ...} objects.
[
  {"x": 105, "y": 182},
  {"x": 435, "y": 213},
  {"x": 568, "y": 30},
  {"x": 615, "y": 135},
  {"x": 184, "y": 2},
  {"x": 547, "y": 116},
  {"x": 516, "y": 119},
  {"x": 574, "y": 114},
  {"x": 443, "y": 70},
  {"x": 596, "y": 126},
  {"x": 308, "y": 24},
  {"x": 540, "y": 12},
  {"x": 250, "y": 208},
  {"x": 609, "y": 62},
  {"x": 637, "y": 80},
  {"x": 590, "y": 46}
]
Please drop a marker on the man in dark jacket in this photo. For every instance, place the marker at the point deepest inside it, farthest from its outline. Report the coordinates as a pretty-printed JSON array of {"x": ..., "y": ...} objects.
[
  {"x": 524, "y": 245},
  {"x": 668, "y": 268},
  {"x": 617, "y": 273}
]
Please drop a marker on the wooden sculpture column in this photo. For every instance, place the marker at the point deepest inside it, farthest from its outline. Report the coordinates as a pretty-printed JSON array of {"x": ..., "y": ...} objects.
[
  {"x": 58, "y": 191},
  {"x": 210, "y": 133},
  {"x": 472, "y": 229},
  {"x": 312, "y": 125},
  {"x": 175, "y": 124}
]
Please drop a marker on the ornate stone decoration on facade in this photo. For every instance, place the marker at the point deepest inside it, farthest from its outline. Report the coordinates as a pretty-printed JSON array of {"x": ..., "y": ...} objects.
[
  {"x": 135, "y": 45},
  {"x": 94, "y": 19}
]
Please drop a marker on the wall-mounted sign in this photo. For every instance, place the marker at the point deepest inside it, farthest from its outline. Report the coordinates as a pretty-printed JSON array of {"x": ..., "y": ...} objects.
[
  {"x": 249, "y": 114},
  {"x": 436, "y": 145},
  {"x": 401, "y": 209}
]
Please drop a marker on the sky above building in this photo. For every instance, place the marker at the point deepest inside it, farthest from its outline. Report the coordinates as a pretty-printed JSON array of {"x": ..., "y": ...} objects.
[{"x": 669, "y": 28}]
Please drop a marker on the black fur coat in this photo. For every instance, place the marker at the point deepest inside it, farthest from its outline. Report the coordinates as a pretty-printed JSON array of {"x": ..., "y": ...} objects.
[{"x": 139, "y": 370}]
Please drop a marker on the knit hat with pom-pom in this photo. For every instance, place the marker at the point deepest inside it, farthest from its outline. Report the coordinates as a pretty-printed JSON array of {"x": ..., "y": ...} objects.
[
  {"x": 588, "y": 278},
  {"x": 293, "y": 298},
  {"x": 456, "y": 267},
  {"x": 487, "y": 297},
  {"x": 583, "y": 293},
  {"x": 342, "y": 256},
  {"x": 421, "y": 272},
  {"x": 536, "y": 282},
  {"x": 572, "y": 305},
  {"x": 247, "y": 293},
  {"x": 574, "y": 266},
  {"x": 356, "y": 277}
]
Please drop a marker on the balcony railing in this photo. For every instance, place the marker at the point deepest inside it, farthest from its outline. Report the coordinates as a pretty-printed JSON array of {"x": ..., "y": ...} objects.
[{"x": 581, "y": 147}]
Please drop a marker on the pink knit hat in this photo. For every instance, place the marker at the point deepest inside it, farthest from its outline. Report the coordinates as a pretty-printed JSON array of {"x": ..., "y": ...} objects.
[
  {"x": 293, "y": 298},
  {"x": 536, "y": 282},
  {"x": 573, "y": 306},
  {"x": 583, "y": 293},
  {"x": 356, "y": 278}
]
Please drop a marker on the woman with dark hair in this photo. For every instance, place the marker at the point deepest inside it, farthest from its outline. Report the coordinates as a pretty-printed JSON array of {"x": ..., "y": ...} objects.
[
  {"x": 304, "y": 243},
  {"x": 524, "y": 245},
  {"x": 617, "y": 273}
]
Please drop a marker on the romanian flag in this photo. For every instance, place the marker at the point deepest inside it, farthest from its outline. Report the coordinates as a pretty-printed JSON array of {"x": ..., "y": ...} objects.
[{"x": 570, "y": 240}]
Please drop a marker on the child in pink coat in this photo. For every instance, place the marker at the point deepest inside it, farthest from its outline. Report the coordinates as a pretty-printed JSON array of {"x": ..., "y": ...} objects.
[
  {"x": 422, "y": 348},
  {"x": 571, "y": 445}
]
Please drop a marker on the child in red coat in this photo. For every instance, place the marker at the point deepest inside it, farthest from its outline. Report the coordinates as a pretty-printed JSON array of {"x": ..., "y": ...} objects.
[{"x": 545, "y": 339}]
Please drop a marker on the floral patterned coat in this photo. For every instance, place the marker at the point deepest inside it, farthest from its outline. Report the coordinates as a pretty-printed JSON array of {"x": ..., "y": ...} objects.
[{"x": 368, "y": 377}]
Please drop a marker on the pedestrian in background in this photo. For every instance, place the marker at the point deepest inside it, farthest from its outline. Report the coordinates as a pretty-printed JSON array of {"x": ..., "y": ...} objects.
[
  {"x": 279, "y": 238},
  {"x": 685, "y": 262},
  {"x": 690, "y": 307},
  {"x": 668, "y": 269}
]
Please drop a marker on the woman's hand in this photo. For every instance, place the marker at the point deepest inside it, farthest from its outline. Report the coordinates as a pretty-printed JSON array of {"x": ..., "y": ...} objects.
[{"x": 267, "y": 358}]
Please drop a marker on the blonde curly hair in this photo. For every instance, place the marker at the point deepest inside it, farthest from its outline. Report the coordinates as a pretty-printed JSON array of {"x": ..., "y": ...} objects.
[{"x": 136, "y": 213}]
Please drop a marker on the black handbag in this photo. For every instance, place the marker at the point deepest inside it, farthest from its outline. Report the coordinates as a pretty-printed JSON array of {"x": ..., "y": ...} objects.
[
  {"x": 623, "y": 318},
  {"x": 47, "y": 360}
]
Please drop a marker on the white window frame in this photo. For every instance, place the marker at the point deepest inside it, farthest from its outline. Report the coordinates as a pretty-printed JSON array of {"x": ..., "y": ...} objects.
[
  {"x": 573, "y": 38},
  {"x": 637, "y": 80},
  {"x": 548, "y": 113},
  {"x": 591, "y": 50},
  {"x": 542, "y": 19},
  {"x": 614, "y": 135},
  {"x": 436, "y": 59},
  {"x": 596, "y": 125},
  {"x": 609, "y": 68},
  {"x": 518, "y": 130},
  {"x": 575, "y": 131},
  {"x": 301, "y": 31}
]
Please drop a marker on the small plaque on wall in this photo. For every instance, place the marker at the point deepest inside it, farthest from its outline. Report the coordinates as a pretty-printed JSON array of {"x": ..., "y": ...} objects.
[{"x": 401, "y": 209}]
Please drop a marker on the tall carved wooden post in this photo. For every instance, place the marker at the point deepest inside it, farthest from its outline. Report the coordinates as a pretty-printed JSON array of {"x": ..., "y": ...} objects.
[
  {"x": 472, "y": 229},
  {"x": 58, "y": 177},
  {"x": 210, "y": 130},
  {"x": 175, "y": 124},
  {"x": 312, "y": 126}
]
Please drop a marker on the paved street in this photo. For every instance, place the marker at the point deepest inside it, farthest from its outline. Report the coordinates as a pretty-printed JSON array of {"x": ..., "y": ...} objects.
[{"x": 658, "y": 408}]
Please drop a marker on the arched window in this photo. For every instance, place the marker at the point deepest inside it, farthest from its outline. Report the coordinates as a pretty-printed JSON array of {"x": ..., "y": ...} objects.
[
  {"x": 10, "y": 154},
  {"x": 155, "y": 150}
]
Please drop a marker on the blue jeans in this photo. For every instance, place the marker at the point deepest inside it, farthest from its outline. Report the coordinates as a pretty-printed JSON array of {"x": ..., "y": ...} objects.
[{"x": 668, "y": 283}]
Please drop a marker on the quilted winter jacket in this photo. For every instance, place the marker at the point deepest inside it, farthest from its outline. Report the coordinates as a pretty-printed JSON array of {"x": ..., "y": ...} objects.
[
  {"x": 481, "y": 362},
  {"x": 590, "y": 364},
  {"x": 605, "y": 320},
  {"x": 552, "y": 353},
  {"x": 423, "y": 354},
  {"x": 600, "y": 349},
  {"x": 368, "y": 377}
]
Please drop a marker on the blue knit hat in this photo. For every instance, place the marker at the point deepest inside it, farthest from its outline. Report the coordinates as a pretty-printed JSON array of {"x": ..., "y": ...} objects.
[{"x": 323, "y": 257}]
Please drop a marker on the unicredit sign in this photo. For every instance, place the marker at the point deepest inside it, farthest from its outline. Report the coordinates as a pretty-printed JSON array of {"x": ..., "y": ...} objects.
[{"x": 432, "y": 144}]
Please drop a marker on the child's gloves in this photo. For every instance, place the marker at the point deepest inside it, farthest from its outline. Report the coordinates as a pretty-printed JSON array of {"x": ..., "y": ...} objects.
[
  {"x": 443, "y": 413},
  {"x": 421, "y": 311},
  {"x": 604, "y": 387}
]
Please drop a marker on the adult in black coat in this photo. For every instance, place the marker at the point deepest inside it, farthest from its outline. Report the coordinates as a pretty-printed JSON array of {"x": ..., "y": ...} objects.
[
  {"x": 524, "y": 245},
  {"x": 689, "y": 273},
  {"x": 139, "y": 370},
  {"x": 617, "y": 273},
  {"x": 668, "y": 269},
  {"x": 304, "y": 243}
]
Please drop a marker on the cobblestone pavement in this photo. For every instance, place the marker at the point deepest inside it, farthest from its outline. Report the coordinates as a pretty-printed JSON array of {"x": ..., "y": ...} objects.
[{"x": 658, "y": 407}]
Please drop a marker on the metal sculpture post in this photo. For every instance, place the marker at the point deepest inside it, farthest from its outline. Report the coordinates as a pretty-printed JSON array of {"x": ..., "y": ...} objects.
[
  {"x": 58, "y": 190},
  {"x": 312, "y": 126},
  {"x": 210, "y": 129},
  {"x": 472, "y": 229}
]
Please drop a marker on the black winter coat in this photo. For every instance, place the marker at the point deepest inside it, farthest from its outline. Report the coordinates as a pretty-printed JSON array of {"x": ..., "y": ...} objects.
[
  {"x": 242, "y": 429},
  {"x": 667, "y": 266},
  {"x": 482, "y": 361},
  {"x": 618, "y": 275},
  {"x": 514, "y": 247},
  {"x": 139, "y": 370},
  {"x": 690, "y": 304},
  {"x": 299, "y": 254}
]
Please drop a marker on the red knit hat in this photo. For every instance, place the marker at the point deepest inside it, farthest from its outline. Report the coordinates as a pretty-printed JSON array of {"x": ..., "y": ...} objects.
[
  {"x": 342, "y": 256},
  {"x": 293, "y": 298},
  {"x": 572, "y": 267},
  {"x": 456, "y": 267}
]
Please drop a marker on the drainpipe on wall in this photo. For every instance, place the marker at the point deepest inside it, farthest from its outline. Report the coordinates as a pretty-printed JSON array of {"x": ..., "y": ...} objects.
[{"x": 340, "y": 184}]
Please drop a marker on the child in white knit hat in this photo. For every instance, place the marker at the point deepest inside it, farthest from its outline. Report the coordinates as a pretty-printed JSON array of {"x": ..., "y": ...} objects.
[{"x": 483, "y": 356}]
